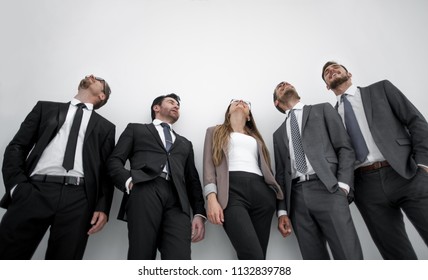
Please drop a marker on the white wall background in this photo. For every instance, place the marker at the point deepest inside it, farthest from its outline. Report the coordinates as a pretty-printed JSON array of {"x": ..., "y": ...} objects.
[{"x": 206, "y": 51}]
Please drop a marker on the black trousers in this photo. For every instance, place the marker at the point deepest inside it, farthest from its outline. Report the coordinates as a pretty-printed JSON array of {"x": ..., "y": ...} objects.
[
  {"x": 248, "y": 215},
  {"x": 381, "y": 196},
  {"x": 35, "y": 208},
  {"x": 320, "y": 217},
  {"x": 156, "y": 222}
]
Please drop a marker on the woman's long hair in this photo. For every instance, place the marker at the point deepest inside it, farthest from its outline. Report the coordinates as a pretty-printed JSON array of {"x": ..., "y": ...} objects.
[{"x": 222, "y": 137}]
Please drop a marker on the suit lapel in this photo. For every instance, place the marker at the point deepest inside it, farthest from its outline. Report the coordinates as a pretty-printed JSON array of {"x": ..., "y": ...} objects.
[
  {"x": 367, "y": 105},
  {"x": 151, "y": 127},
  {"x": 63, "y": 109},
  {"x": 283, "y": 132},
  {"x": 91, "y": 124},
  {"x": 306, "y": 110}
]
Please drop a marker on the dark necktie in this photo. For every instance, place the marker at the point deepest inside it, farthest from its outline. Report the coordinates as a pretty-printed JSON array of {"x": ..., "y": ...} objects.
[
  {"x": 168, "y": 140},
  {"x": 299, "y": 154},
  {"x": 70, "y": 149},
  {"x": 354, "y": 131}
]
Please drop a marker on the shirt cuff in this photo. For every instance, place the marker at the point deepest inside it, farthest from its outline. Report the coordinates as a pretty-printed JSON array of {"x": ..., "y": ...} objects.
[
  {"x": 127, "y": 185},
  {"x": 202, "y": 216},
  {"x": 423, "y": 165},
  {"x": 210, "y": 188},
  {"x": 281, "y": 213},
  {"x": 12, "y": 190},
  {"x": 344, "y": 186}
]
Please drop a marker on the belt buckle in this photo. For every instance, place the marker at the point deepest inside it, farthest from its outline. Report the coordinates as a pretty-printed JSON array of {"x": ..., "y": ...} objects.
[
  {"x": 377, "y": 165},
  {"x": 72, "y": 181}
]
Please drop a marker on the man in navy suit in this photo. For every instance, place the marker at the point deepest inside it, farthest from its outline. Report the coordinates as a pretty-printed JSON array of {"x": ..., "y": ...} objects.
[
  {"x": 162, "y": 202},
  {"x": 70, "y": 194},
  {"x": 391, "y": 172}
]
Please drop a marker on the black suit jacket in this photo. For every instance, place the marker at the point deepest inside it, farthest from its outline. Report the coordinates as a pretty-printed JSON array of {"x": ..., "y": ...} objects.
[
  {"x": 327, "y": 147},
  {"x": 38, "y": 129},
  {"x": 142, "y": 145}
]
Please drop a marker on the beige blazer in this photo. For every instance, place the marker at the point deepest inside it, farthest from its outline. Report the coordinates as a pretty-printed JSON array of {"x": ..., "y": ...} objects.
[{"x": 217, "y": 177}]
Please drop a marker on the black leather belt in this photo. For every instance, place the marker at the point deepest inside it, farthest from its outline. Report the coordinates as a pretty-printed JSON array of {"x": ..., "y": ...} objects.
[
  {"x": 304, "y": 178},
  {"x": 165, "y": 176},
  {"x": 65, "y": 180}
]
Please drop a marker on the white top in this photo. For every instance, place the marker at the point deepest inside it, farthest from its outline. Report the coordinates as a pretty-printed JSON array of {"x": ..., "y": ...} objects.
[{"x": 243, "y": 153}]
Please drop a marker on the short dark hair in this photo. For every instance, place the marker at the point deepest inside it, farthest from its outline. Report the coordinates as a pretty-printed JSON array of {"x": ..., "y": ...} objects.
[
  {"x": 328, "y": 63},
  {"x": 275, "y": 98},
  {"x": 158, "y": 101}
]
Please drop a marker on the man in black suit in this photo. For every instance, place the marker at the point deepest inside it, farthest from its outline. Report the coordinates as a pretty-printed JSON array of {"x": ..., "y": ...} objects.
[
  {"x": 314, "y": 164},
  {"x": 161, "y": 187},
  {"x": 391, "y": 172},
  {"x": 57, "y": 181}
]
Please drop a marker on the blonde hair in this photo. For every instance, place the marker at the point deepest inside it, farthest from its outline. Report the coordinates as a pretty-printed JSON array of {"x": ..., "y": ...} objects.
[{"x": 222, "y": 136}]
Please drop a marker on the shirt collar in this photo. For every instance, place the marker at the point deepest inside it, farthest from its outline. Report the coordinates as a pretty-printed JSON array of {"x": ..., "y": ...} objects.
[
  {"x": 299, "y": 106},
  {"x": 89, "y": 106},
  {"x": 158, "y": 122},
  {"x": 352, "y": 90}
]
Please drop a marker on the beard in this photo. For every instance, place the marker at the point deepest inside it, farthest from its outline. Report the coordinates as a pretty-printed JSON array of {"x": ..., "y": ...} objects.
[
  {"x": 288, "y": 94},
  {"x": 337, "y": 82}
]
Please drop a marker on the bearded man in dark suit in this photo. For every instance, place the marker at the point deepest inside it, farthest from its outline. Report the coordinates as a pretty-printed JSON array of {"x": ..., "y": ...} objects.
[
  {"x": 55, "y": 176},
  {"x": 391, "y": 171}
]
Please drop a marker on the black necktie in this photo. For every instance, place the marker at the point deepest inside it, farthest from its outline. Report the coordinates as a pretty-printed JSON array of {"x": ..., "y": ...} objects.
[
  {"x": 354, "y": 131},
  {"x": 299, "y": 154},
  {"x": 168, "y": 141},
  {"x": 70, "y": 149}
]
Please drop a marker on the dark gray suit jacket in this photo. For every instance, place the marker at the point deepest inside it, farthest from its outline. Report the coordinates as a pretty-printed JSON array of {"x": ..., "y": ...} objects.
[
  {"x": 326, "y": 145},
  {"x": 398, "y": 128}
]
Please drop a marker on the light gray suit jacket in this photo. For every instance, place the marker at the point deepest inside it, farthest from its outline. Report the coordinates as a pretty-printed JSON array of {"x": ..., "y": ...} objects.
[
  {"x": 218, "y": 176},
  {"x": 326, "y": 145},
  {"x": 398, "y": 128}
]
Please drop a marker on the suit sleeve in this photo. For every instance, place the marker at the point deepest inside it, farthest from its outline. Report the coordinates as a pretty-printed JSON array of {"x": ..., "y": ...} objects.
[
  {"x": 14, "y": 167},
  {"x": 193, "y": 185},
  {"x": 106, "y": 195},
  {"x": 209, "y": 171},
  {"x": 341, "y": 142},
  {"x": 279, "y": 171},
  {"x": 411, "y": 118},
  {"x": 119, "y": 156}
]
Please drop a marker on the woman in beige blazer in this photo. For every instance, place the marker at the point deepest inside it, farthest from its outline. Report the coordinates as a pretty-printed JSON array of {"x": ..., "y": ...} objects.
[{"x": 239, "y": 186}]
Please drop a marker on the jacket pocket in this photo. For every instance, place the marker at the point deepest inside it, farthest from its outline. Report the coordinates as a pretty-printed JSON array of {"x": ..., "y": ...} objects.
[
  {"x": 403, "y": 141},
  {"x": 332, "y": 159}
]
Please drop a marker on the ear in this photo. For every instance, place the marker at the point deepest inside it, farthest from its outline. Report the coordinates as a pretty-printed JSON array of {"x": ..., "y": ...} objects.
[
  {"x": 276, "y": 102},
  {"x": 349, "y": 74},
  {"x": 156, "y": 108},
  {"x": 102, "y": 96}
]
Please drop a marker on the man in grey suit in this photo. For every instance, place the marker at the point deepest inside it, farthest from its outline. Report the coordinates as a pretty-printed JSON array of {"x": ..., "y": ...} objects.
[
  {"x": 315, "y": 167},
  {"x": 391, "y": 173}
]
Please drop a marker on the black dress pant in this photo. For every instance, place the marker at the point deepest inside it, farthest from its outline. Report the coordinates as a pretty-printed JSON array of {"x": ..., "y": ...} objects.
[
  {"x": 156, "y": 221},
  {"x": 248, "y": 215},
  {"x": 36, "y": 207},
  {"x": 381, "y": 196}
]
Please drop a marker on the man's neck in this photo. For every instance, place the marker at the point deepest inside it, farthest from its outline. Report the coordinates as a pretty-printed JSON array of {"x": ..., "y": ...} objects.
[{"x": 341, "y": 89}]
